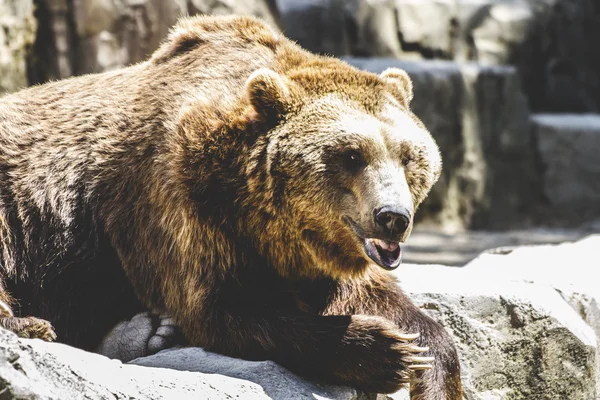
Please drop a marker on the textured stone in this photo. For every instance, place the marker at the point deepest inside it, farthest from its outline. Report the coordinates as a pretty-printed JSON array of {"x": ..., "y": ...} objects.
[
  {"x": 17, "y": 34},
  {"x": 568, "y": 147},
  {"x": 276, "y": 381},
  {"x": 32, "y": 369},
  {"x": 570, "y": 268},
  {"x": 516, "y": 340},
  {"x": 479, "y": 118}
]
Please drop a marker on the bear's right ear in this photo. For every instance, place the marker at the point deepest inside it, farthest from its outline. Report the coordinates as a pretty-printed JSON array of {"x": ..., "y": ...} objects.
[
  {"x": 401, "y": 84},
  {"x": 268, "y": 93}
]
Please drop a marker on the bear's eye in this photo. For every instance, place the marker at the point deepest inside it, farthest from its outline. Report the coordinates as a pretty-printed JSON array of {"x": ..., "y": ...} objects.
[
  {"x": 406, "y": 159},
  {"x": 353, "y": 160}
]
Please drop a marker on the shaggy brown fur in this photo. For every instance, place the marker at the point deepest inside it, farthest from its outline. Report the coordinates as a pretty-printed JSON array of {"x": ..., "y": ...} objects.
[{"x": 212, "y": 182}]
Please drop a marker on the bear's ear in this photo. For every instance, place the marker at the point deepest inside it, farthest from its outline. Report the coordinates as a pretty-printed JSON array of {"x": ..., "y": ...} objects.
[
  {"x": 268, "y": 93},
  {"x": 401, "y": 84},
  {"x": 179, "y": 41}
]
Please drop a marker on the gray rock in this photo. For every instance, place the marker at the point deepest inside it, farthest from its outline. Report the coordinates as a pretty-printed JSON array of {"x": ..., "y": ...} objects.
[
  {"x": 32, "y": 369},
  {"x": 17, "y": 34},
  {"x": 568, "y": 147},
  {"x": 318, "y": 26},
  {"x": 479, "y": 118},
  {"x": 516, "y": 340},
  {"x": 569, "y": 268},
  {"x": 426, "y": 29},
  {"x": 276, "y": 381}
]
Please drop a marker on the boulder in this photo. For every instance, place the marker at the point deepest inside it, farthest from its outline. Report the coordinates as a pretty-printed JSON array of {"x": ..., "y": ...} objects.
[
  {"x": 568, "y": 146},
  {"x": 32, "y": 369},
  {"x": 17, "y": 34},
  {"x": 569, "y": 268},
  {"x": 276, "y": 381},
  {"x": 516, "y": 340},
  {"x": 479, "y": 118}
]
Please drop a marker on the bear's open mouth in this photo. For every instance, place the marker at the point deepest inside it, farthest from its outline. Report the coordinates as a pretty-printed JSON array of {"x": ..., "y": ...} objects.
[{"x": 386, "y": 254}]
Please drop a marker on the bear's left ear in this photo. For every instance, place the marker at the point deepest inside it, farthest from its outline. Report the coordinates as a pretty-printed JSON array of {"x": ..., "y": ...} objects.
[
  {"x": 401, "y": 84},
  {"x": 268, "y": 93}
]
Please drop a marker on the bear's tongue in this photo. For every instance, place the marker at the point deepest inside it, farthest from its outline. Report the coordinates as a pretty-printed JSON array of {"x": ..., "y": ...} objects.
[{"x": 386, "y": 254}]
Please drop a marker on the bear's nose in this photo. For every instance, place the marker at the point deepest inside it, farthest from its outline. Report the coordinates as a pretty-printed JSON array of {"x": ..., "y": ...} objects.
[{"x": 393, "y": 219}]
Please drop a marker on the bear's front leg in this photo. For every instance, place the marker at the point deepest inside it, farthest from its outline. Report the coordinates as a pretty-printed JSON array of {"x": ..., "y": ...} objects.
[
  {"x": 365, "y": 352},
  {"x": 381, "y": 296}
]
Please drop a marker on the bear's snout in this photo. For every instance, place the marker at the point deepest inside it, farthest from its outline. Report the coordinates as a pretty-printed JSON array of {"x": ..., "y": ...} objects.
[{"x": 392, "y": 220}]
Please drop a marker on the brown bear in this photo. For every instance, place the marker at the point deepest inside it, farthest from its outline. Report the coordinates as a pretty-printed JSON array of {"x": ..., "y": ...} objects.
[{"x": 254, "y": 191}]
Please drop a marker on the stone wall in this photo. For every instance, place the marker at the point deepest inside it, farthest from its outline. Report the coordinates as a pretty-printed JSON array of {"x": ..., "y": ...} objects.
[{"x": 17, "y": 35}]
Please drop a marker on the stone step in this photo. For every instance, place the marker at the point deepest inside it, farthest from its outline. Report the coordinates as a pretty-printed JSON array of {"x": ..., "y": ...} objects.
[
  {"x": 516, "y": 336},
  {"x": 568, "y": 146},
  {"x": 479, "y": 118}
]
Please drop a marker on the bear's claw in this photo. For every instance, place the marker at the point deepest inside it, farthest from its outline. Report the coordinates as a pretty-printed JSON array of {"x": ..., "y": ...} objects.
[
  {"x": 416, "y": 362},
  {"x": 29, "y": 328}
]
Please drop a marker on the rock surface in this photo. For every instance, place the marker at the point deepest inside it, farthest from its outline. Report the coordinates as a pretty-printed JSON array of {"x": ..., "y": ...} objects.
[
  {"x": 516, "y": 340},
  {"x": 569, "y": 268},
  {"x": 568, "y": 146},
  {"x": 17, "y": 34},
  {"x": 32, "y": 369},
  {"x": 479, "y": 118},
  {"x": 276, "y": 381}
]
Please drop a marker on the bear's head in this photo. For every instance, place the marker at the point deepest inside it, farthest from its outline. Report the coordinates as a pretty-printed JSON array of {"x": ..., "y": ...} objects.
[{"x": 340, "y": 169}]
